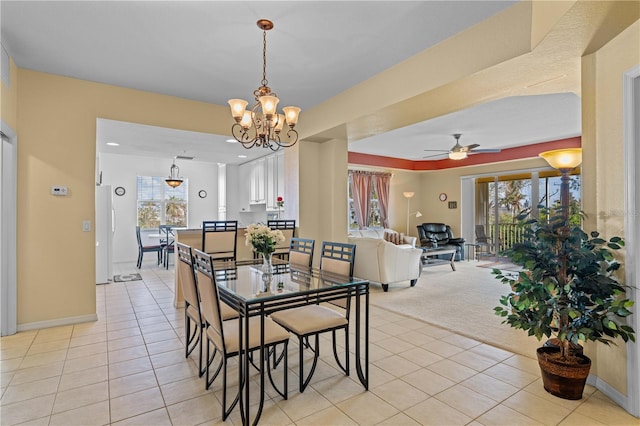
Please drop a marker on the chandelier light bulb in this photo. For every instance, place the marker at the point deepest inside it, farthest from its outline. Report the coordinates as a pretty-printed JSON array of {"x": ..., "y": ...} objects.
[
  {"x": 238, "y": 108},
  {"x": 291, "y": 113},
  {"x": 246, "y": 119}
]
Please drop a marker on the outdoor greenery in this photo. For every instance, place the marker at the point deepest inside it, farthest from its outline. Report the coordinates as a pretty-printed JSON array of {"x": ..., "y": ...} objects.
[
  {"x": 514, "y": 200},
  {"x": 568, "y": 287},
  {"x": 158, "y": 203}
]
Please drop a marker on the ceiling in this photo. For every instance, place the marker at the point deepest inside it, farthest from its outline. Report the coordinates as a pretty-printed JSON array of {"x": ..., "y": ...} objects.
[{"x": 212, "y": 50}]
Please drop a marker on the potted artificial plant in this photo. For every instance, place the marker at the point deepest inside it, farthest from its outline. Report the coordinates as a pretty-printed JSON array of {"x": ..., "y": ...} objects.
[{"x": 566, "y": 289}]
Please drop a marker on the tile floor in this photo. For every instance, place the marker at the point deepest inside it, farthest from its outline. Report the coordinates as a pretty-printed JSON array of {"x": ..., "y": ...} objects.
[{"x": 128, "y": 368}]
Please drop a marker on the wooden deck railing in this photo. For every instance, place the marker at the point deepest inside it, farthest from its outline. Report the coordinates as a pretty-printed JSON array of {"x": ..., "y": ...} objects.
[{"x": 508, "y": 234}]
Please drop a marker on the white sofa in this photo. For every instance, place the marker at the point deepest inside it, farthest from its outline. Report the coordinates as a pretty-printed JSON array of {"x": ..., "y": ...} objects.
[
  {"x": 383, "y": 262},
  {"x": 379, "y": 233}
]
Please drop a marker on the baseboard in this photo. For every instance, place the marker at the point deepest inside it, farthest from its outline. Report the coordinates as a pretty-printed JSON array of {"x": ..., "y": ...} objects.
[
  {"x": 57, "y": 322},
  {"x": 615, "y": 395}
]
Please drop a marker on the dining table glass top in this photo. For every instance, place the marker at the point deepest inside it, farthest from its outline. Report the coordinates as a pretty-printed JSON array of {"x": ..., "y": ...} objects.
[{"x": 246, "y": 280}]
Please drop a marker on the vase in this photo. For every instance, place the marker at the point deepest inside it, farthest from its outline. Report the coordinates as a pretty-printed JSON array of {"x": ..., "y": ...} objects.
[{"x": 267, "y": 271}]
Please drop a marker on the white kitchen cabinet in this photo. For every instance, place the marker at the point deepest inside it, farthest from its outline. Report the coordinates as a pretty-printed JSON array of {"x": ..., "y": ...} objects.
[
  {"x": 274, "y": 180},
  {"x": 245, "y": 177},
  {"x": 257, "y": 183}
]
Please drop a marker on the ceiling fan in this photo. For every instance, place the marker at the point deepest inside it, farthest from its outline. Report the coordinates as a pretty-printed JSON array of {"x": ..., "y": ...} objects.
[{"x": 459, "y": 152}]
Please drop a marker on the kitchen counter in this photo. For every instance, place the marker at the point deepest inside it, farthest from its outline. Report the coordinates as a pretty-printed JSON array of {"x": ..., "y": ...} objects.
[{"x": 193, "y": 237}]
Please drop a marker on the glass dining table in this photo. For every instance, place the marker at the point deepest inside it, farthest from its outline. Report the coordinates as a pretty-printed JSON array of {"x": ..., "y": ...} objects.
[{"x": 245, "y": 287}]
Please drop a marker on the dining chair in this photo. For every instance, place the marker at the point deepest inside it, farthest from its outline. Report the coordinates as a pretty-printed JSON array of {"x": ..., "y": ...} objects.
[
  {"x": 288, "y": 227},
  {"x": 142, "y": 249},
  {"x": 168, "y": 247},
  {"x": 312, "y": 320},
  {"x": 301, "y": 251},
  {"x": 219, "y": 239},
  {"x": 192, "y": 311},
  {"x": 224, "y": 335}
]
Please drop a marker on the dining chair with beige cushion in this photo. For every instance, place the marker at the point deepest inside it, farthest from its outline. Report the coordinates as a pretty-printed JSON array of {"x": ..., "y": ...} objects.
[
  {"x": 301, "y": 251},
  {"x": 224, "y": 335},
  {"x": 287, "y": 227},
  {"x": 219, "y": 239},
  {"x": 192, "y": 311},
  {"x": 311, "y": 320}
]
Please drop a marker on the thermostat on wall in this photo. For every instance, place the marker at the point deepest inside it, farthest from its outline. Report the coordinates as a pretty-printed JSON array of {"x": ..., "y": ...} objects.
[{"x": 59, "y": 190}]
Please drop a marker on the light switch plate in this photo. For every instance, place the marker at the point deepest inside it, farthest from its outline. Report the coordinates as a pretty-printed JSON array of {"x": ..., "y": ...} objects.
[{"x": 86, "y": 225}]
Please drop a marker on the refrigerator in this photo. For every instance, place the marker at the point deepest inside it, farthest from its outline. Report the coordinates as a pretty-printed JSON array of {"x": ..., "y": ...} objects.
[{"x": 104, "y": 228}]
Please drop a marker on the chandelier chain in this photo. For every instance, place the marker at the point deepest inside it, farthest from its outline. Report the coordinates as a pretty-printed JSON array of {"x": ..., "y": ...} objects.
[{"x": 264, "y": 58}]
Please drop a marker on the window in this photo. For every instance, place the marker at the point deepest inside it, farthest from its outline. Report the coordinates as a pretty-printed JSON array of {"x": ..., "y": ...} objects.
[
  {"x": 158, "y": 203},
  {"x": 375, "y": 215}
]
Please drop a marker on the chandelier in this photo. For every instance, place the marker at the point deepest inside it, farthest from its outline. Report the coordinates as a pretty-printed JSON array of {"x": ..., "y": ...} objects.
[
  {"x": 174, "y": 180},
  {"x": 262, "y": 125}
]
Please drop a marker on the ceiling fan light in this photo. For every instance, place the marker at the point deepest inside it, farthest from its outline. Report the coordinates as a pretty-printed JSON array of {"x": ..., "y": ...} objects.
[{"x": 458, "y": 155}]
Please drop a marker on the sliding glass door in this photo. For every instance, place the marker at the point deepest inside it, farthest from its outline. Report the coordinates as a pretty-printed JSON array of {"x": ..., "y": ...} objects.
[{"x": 501, "y": 199}]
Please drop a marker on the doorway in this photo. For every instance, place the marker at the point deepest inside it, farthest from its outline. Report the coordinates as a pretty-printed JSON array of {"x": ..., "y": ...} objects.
[{"x": 8, "y": 201}]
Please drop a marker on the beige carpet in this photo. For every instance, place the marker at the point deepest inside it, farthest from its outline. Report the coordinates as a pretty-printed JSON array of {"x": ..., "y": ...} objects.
[{"x": 460, "y": 301}]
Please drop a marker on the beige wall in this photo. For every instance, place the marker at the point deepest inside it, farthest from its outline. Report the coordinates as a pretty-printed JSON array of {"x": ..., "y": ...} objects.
[
  {"x": 56, "y": 126},
  {"x": 603, "y": 165}
]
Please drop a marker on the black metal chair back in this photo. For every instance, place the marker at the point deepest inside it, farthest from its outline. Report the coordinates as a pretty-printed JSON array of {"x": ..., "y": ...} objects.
[
  {"x": 288, "y": 228},
  {"x": 338, "y": 258},
  {"x": 142, "y": 249},
  {"x": 219, "y": 239},
  {"x": 301, "y": 251}
]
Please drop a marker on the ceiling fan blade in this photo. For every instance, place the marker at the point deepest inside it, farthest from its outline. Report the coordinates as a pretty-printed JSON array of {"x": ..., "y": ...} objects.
[
  {"x": 469, "y": 147},
  {"x": 439, "y": 150},
  {"x": 480, "y": 151},
  {"x": 435, "y": 155}
]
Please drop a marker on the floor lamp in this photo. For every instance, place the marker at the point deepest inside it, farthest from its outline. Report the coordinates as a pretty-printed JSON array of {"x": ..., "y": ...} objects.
[
  {"x": 408, "y": 195},
  {"x": 564, "y": 160}
]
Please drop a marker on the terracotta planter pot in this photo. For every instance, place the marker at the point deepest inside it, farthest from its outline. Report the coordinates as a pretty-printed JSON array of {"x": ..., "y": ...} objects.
[{"x": 562, "y": 380}]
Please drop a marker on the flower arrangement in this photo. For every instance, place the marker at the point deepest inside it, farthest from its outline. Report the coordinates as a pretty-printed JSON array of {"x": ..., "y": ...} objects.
[
  {"x": 280, "y": 202},
  {"x": 263, "y": 239}
]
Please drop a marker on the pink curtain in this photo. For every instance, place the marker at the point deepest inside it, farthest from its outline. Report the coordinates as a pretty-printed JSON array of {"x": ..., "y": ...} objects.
[
  {"x": 360, "y": 190},
  {"x": 382, "y": 182}
]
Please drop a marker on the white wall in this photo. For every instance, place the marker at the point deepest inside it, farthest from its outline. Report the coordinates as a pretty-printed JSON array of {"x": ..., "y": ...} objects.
[{"x": 122, "y": 170}]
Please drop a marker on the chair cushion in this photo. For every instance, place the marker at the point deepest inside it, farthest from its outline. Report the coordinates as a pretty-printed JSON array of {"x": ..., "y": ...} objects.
[
  {"x": 309, "y": 319},
  {"x": 299, "y": 258},
  {"x": 340, "y": 267},
  {"x": 227, "y": 312},
  {"x": 273, "y": 333}
]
